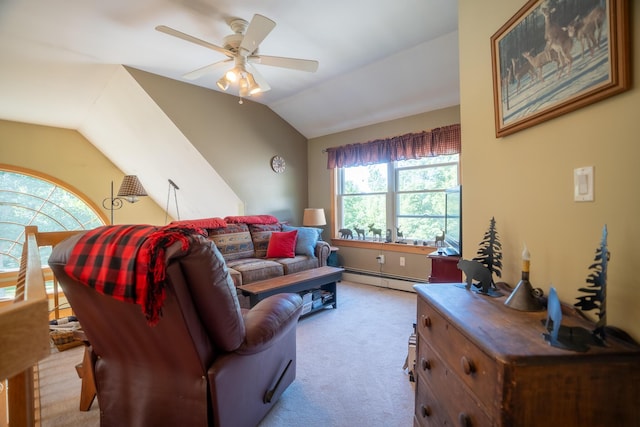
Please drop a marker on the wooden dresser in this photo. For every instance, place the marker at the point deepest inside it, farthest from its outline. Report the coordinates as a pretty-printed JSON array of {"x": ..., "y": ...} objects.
[{"x": 481, "y": 363}]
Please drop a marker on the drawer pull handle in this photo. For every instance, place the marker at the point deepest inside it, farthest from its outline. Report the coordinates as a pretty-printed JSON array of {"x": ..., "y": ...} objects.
[
  {"x": 426, "y": 365},
  {"x": 427, "y": 321},
  {"x": 464, "y": 420},
  {"x": 425, "y": 411},
  {"x": 467, "y": 365}
]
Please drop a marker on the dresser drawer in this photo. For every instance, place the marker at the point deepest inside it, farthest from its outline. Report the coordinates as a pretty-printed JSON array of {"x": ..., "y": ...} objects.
[
  {"x": 519, "y": 379},
  {"x": 468, "y": 362},
  {"x": 456, "y": 400},
  {"x": 429, "y": 410}
]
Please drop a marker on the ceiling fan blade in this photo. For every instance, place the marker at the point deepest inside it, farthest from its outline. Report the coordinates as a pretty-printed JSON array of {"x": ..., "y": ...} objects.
[
  {"x": 259, "y": 27},
  {"x": 196, "y": 74},
  {"x": 292, "y": 63},
  {"x": 187, "y": 37},
  {"x": 264, "y": 86}
]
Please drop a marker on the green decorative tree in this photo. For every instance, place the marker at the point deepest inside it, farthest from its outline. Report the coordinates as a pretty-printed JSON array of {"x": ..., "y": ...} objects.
[
  {"x": 490, "y": 251},
  {"x": 596, "y": 291}
]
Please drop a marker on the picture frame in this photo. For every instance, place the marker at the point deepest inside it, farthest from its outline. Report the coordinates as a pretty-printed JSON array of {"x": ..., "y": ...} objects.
[{"x": 555, "y": 56}]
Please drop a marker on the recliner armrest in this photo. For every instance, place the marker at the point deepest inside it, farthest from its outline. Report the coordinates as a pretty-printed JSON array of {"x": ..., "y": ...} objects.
[{"x": 268, "y": 320}]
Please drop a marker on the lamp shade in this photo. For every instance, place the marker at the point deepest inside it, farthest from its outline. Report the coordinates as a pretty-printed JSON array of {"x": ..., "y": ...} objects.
[
  {"x": 131, "y": 188},
  {"x": 313, "y": 217}
]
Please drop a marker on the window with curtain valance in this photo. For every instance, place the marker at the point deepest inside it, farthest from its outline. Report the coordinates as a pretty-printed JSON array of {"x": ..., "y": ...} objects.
[{"x": 444, "y": 140}]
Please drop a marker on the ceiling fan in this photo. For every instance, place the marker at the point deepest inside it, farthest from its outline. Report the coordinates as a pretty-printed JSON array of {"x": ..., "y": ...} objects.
[{"x": 241, "y": 49}]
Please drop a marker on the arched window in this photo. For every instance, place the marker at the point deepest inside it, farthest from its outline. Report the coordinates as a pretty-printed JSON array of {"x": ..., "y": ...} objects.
[{"x": 32, "y": 198}]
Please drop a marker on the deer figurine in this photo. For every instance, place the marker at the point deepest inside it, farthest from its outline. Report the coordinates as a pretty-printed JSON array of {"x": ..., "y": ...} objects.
[{"x": 375, "y": 231}]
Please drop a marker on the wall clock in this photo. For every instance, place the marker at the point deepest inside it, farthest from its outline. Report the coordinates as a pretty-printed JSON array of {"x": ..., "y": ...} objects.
[{"x": 277, "y": 164}]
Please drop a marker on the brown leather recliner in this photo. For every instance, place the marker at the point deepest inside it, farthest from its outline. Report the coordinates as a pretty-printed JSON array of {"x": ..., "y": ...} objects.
[{"x": 205, "y": 363}]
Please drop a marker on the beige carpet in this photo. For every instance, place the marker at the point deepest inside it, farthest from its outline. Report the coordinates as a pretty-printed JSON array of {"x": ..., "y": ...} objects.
[{"x": 349, "y": 368}]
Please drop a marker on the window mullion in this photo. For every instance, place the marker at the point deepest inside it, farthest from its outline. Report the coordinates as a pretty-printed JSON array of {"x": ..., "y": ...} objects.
[{"x": 392, "y": 199}]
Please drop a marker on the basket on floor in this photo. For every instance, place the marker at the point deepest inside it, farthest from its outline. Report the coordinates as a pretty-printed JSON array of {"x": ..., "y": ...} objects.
[
  {"x": 61, "y": 332},
  {"x": 63, "y": 340}
]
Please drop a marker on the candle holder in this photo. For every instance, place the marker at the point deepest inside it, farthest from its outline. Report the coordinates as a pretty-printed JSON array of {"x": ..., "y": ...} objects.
[{"x": 524, "y": 297}]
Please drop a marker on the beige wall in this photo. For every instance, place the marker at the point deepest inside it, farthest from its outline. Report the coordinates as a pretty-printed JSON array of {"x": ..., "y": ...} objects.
[
  {"x": 68, "y": 157},
  {"x": 525, "y": 180},
  {"x": 417, "y": 266},
  {"x": 238, "y": 140}
]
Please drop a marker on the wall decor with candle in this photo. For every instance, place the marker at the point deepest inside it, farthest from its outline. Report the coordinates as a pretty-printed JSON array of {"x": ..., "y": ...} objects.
[{"x": 524, "y": 297}]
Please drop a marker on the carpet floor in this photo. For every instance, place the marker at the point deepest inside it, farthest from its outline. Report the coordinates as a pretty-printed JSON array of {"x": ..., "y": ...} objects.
[{"x": 350, "y": 368}]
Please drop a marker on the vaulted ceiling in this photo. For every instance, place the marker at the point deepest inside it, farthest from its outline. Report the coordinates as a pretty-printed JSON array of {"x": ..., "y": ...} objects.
[{"x": 378, "y": 61}]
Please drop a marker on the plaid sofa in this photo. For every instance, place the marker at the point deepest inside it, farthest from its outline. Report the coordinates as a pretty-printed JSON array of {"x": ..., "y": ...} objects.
[{"x": 244, "y": 248}]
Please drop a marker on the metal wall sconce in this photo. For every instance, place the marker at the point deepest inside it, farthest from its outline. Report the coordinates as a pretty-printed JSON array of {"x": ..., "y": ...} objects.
[{"x": 130, "y": 190}]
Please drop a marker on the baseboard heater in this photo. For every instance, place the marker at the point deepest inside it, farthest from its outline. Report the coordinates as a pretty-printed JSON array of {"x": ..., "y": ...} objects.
[{"x": 380, "y": 279}]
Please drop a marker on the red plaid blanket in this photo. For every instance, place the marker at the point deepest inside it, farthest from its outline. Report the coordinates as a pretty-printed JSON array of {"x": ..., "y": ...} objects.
[{"x": 127, "y": 262}]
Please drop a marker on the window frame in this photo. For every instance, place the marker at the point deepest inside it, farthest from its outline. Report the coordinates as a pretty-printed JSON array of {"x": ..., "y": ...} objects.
[
  {"x": 392, "y": 197},
  {"x": 55, "y": 183}
]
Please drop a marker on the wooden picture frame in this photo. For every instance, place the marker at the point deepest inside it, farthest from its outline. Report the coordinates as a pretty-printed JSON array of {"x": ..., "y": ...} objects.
[{"x": 578, "y": 54}]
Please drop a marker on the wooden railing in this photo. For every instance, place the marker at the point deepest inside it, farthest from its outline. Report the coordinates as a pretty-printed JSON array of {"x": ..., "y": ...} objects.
[
  {"x": 58, "y": 305},
  {"x": 24, "y": 330}
]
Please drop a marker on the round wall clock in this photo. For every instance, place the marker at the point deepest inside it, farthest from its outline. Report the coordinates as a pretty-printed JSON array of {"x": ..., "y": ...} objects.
[{"x": 277, "y": 164}]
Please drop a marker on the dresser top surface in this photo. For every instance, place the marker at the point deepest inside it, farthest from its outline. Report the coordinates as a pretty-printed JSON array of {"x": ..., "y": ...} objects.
[{"x": 507, "y": 333}]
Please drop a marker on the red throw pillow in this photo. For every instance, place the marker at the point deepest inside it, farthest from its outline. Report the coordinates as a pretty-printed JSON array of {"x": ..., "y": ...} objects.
[{"x": 282, "y": 244}]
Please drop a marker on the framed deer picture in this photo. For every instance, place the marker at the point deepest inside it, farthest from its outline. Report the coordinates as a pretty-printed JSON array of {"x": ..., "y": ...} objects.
[{"x": 555, "y": 56}]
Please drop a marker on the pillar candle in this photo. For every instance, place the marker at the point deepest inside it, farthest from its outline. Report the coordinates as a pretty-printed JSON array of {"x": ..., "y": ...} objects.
[{"x": 525, "y": 259}]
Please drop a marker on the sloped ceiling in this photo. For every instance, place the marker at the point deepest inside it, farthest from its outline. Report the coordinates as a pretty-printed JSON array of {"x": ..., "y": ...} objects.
[{"x": 378, "y": 61}]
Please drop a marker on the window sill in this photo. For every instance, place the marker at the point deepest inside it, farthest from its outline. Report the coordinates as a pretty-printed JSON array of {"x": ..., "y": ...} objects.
[{"x": 382, "y": 246}]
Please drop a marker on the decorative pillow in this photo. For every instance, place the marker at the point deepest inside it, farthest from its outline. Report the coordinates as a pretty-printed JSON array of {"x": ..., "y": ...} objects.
[
  {"x": 261, "y": 234},
  {"x": 202, "y": 223},
  {"x": 252, "y": 219},
  {"x": 307, "y": 239},
  {"x": 233, "y": 241},
  {"x": 282, "y": 244}
]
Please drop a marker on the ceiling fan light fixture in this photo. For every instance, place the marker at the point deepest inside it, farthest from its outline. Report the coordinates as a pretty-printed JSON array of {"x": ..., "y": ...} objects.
[
  {"x": 253, "y": 87},
  {"x": 232, "y": 75},
  {"x": 242, "y": 48},
  {"x": 244, "y": 85},
  {"x": 223, "y": 83}
]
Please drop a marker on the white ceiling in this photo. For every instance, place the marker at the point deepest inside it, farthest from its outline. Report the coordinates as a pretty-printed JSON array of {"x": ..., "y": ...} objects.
[{"x": 391, "y": 59}]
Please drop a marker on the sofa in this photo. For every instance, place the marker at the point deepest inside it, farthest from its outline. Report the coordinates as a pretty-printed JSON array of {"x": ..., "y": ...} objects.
[
  {"x": 179, "y": 351},
  {"x": 245, "y": 243}
]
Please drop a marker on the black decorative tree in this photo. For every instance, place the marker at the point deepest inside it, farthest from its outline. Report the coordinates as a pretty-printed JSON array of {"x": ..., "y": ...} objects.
[
  {"x": 487, "y": 263},
  {"x": 596, "y": 291},
  {"x": 490, "y": 251}
]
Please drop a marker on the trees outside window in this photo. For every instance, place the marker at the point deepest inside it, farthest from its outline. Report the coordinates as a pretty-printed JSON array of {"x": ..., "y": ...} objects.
[
  {"x": 28, "y": 198},
  {"x": 407, "y": 195}
]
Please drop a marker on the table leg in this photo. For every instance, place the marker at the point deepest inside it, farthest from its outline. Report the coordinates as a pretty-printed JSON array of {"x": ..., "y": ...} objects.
[{"x": 85, "y": 371}]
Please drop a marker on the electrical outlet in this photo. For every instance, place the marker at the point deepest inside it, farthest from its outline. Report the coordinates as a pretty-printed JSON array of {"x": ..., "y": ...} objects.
[
  {"x": 380, "y": 259},
  {"x": 401, "y": 261}
]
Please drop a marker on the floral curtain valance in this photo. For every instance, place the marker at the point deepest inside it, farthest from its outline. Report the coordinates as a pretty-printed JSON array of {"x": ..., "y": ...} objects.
[{"x": 435, "y": 142}]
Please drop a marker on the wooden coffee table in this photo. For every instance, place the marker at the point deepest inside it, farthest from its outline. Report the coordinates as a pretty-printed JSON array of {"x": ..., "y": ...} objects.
[{"x": 322, "y": 278}]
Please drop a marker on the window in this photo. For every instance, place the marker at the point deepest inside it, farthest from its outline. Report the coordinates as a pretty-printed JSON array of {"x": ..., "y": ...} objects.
[
  {"x": 31, "y": 199},
  {"x": 406, "y": 197}
]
